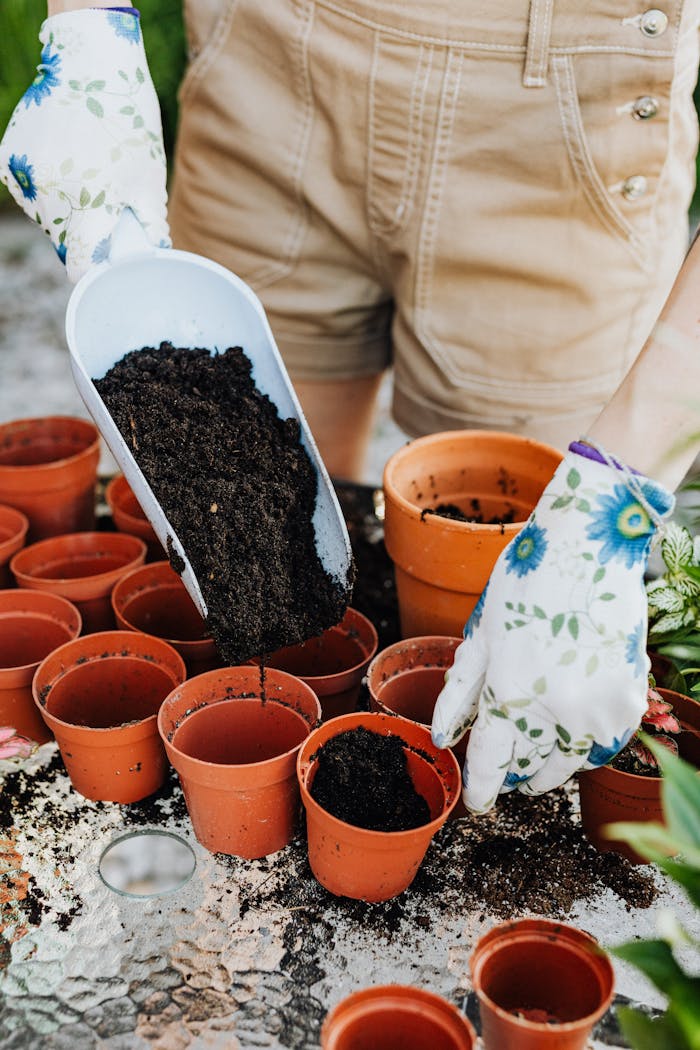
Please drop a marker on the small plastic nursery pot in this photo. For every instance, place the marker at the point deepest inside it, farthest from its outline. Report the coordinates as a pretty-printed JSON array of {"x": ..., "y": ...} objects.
[
  {"x": 128, "y": 516},
  {"x": 32, "y": 625},
  {"x": 48, "y": 470},
  {"x": 396, "y": 1015},
  {"x": 441, "y": 564},
  {"x": 233, "y": 736},
  {"x": 100, "y": 696},
  {"x": 13, "y": 534},
  {"x": 153, "y": 599},
  {"x": 333, "y": 663},
  {"x": 376, "y": 865},
  {"x": 82, "y": 567},
  {"x": 609, "y": 795},
  {"x": 541, "y": 985}
]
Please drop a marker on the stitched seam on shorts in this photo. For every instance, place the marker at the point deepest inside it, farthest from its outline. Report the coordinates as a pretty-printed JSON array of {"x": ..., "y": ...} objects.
[
  {"x": 209, "y": 53},
  {"x": 377, "y": 224},
  {"x": 535, "y": 72},
  {"x": 435, "y": 185},
  {"x": 273, "y": 271},
  {"x": 477, "y": 45},
  {"x": 582, "y": 162}
]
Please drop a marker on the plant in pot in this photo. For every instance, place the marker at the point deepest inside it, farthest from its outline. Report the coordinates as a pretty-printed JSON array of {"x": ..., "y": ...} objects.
[
  {"x": 14, "y": 746},
  {"x": 673, "y": 600},
  {"x": 674, "y": 846},
  {"x": 627, "y": 785}
]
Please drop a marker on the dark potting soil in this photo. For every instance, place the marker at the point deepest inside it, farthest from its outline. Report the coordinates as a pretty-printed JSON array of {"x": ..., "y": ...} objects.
[
  {"x": 238, "y": 488},
  {"x": 451, "y": 510},
  {"x": 627, "y": 762},
  {"x": 362, "y": 779}
]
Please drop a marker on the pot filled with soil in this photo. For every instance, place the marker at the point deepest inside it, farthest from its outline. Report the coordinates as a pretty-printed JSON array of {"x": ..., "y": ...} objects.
[
  {"x": 453, "y": 501},
  {"x": 82, "y": 567},
  {"x": 233, "y": 736},
  {"x": 13, "y": 533},
  {"x": 128, "y": 516},
  {"x": 48, "y": 470},
  {"x": 396, "y": 1015},
  {"x": 32, "y": 625},
  {"x": 541, "y": 985},
  {"x": 100, "y": 696},
  {"x": 376, "y": 790},
  {"x": 628, "y": 788},
  {"x": 333, "y": 663},
  {"x": 153, "y": 599}
]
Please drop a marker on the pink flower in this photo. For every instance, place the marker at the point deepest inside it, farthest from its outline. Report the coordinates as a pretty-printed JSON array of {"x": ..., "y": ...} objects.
[{"x": 14, "y": 746}]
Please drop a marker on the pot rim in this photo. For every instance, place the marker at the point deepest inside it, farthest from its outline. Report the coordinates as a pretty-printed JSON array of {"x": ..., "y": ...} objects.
[
  {"x": 417, "y": 999},
  {"x": 10, "y": 606},
  {"x": 82, "y": 541},
  {"x": 20, "y": 528},
  {"x": 152, "y": 581},
  {"x": 9, "y": 470}
]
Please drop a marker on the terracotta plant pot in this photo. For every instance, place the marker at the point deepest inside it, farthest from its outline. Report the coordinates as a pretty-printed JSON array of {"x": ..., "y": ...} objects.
[
  {"x": 233, "y": 737},
  {"x": 608, "y": 795},
  {"x": 153, "y": 599},
  {"x": 128, "y": 516},
  {"x": 376, "y": 865},
  {"x": 13, "y": 533},
  {"x": 333, "y": 663},
  {"x": 82, "y": 567},
  {"x": 541, "y": 986},
  {"x": 442, "y": 565},
  {"x": 32, "y": 625},
  {"x": 48, "y": 470},
  {"x": 396, "y": 1015},
  {"x": 100, "y": 696}
]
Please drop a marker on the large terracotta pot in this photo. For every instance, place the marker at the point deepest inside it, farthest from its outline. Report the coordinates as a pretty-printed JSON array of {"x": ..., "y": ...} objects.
[
  {"x": 100, "y": 696},
  {"x": 83, "y": 567},
  {"x": 14, "y": 527},
  {"x": 48, "y": 470},
  {"x": 376, "y": 865},
  {"x": 154, "y": 600},
  {"x": 233, "y": 736},
  {"x": 32, "y": 625},
  {"x": 442, "y": 565},
  {"x": 609, "y": 795},
  {"x": 541, "y": 985},
  {"x": 395, "y": 1015}
]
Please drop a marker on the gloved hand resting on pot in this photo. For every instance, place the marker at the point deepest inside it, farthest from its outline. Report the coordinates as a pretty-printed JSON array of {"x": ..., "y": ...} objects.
[
  {"x": 553, "y": 670},
  {"x": 85, "y": 140}
]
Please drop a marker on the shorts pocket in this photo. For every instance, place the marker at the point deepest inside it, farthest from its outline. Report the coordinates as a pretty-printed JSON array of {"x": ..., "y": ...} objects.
[{"x": 207, "y": 26}]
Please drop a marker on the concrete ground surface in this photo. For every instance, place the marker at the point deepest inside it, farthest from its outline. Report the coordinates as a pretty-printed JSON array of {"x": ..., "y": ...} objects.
[{"x": 245, "y": 954}]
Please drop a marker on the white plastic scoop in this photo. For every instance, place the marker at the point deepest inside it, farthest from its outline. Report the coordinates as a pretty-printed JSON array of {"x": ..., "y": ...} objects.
[{"x": 142, "y": 296}]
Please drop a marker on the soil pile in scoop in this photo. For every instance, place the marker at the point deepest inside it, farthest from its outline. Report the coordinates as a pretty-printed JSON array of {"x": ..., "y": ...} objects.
[
  {"x": 238, "y": 488},
  {"x": 362, "y": 779}
]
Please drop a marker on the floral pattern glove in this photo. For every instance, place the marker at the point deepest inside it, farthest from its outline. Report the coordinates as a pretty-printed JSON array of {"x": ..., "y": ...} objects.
[
  {"x": 85, "y": 140},
  {"x": 553, "y": 669}
]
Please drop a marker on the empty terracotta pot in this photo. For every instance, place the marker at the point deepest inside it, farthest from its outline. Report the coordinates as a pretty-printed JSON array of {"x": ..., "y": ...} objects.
[
  {"x": 541, "y": 985},
  {"x": 389, "y": 1016},
  {"x": 48, "y": 470},
  {"x": 13, "y": 533},
  {"x": 128, "y": 516},
  {"x": 32, "y": 625},
  {"x": 442, "y": 565},
  {"x": 333, "y": 663},
  {"x": 82, "y": 567},
  {"x": 153, "y": 599},
  {"x": 100, "y": 696},
  {"x": 609, "y": 795},
  {"x": 376, "y": 865},
  {"x": 233, "y": 736}
]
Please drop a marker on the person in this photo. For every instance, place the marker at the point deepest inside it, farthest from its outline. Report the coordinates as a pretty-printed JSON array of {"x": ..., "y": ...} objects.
[{"x": 499, "y": 200}]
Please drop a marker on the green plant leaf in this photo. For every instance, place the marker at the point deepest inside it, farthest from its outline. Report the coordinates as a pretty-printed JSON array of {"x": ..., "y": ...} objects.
[
  {"x": 573, "y": 627},
  {"x": 557, "y": 623},
  {"x": 561, "y": 501},
  {"x": 95, "y": 85},
  {"x": 84, "y": 197},
  {"x": 655, "y": 959},
  {"x": 94, "y": 106},
  {"x": 680, "y": 795},
  {"x": 649, "y": 1033},
  {"x": 598, "y": 575},
  {"x": 573, "y": 478},
  {"x": 99, "y": 200},
  {"x": 539, "y": 613}
]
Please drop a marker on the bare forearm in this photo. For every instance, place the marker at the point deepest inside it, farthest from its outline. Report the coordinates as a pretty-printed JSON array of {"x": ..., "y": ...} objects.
[
  {"x": 57, "y": 7},
  {"x": 652, "y": 421}
]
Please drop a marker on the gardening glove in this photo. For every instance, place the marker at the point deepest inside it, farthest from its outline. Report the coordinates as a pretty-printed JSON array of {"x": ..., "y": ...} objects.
[
  {"x": 553, "y": 669},
  {"x": 85, "y": 139}
]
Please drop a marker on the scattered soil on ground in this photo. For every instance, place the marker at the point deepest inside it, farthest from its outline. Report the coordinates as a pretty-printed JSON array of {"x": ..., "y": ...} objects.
[
  {"x": 362, "y": 779},
  {"x": 238, "y": 488}
]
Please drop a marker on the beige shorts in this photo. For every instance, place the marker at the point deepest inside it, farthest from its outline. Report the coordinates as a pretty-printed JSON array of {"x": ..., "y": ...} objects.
[{"x": 491, "y": 196}]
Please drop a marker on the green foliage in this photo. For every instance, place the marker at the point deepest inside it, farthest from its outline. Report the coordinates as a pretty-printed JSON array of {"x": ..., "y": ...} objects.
[
  {"x": 20, "y": 21},
  {"x": 675, "y": 848},
  {"x": 674, "y": 607}
]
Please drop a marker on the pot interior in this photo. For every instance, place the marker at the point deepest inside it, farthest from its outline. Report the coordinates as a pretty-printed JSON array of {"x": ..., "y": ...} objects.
[
  {"x": 413, "y": 693},
  {"x": 397, "y": 1024},
  {"x": 27, "y": 640},
  {"x": 542, "y": 979},
  {"x": 109, "y": 692},
  {"x": 330, "y": 653},
  {"x": 79, "y": 566},
  {"x": 240, "y": 731},
  {"x": 167, "y": 612},
  {"x": 25, "y": 449}
]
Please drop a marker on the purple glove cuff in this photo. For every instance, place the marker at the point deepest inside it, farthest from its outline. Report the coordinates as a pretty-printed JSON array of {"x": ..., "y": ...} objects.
[
  {"x": 120, "y": 10},
  {"x": 588, "y": 452}
]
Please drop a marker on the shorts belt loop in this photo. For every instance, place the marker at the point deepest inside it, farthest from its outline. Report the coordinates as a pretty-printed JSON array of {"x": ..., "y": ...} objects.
[{"x": 538, "y": 35}]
